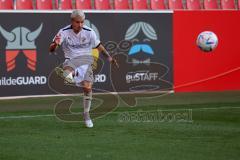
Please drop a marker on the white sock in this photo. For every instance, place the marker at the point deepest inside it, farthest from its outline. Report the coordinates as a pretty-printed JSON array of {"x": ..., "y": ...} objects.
[
  {"x": 87, "y": 99},
  {"x": 69, "y": 76}
]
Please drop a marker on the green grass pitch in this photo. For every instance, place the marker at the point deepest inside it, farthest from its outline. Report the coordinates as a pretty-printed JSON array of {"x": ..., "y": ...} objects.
[{"x": 210, "y": 129}]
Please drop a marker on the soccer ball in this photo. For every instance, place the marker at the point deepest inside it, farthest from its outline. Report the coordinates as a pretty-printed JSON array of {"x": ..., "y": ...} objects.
[{"x": 207, "y": 41}]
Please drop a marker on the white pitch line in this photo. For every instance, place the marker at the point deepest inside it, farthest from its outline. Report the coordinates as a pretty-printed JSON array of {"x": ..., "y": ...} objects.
[
  {"x": 27, "y": 116},
  {"x": 214, "y": 108},
  {"x": 78, "y": 94},
  {"x": 53, "y": 115}
]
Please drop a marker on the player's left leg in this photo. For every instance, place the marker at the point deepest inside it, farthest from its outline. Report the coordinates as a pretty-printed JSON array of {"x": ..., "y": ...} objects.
[
  {"x": 87, "y": 99},
  {"x": 67, "y": 73}
]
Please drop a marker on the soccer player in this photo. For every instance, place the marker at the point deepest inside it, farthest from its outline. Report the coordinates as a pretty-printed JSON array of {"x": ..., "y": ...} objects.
[{"x": 77, "y": 41}]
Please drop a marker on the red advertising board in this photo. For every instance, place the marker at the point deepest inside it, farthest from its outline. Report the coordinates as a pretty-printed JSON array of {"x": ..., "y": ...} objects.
[{"x": 195, "y": 70}]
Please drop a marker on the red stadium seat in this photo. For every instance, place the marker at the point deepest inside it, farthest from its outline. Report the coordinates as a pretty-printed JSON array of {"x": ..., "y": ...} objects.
[
  {"x": 83, "y": 4},
  {"x": 238, "y": 4},
  {"x": 44, "y": 4},
  {"x": 193, "y": 4},
  {"x": 121, "y": 4},
  {"x": 56, "y": 4},
  {"x": 65, "y": 4},
  {"x": 24, "y": 4},
  {"x": 157, "y": 4},
  {"x": 175, "y": 4},
  {"x": 6, "y": 4},
  {"x": 210, "y": 4},
  {"x": 228, "y": 4},
  {"x": 140, "y": 4},
  {"x": 102, "y": 4}
]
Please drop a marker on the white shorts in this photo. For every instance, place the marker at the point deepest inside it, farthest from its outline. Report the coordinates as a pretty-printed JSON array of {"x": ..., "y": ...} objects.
[{"x": 82, "y": 68}]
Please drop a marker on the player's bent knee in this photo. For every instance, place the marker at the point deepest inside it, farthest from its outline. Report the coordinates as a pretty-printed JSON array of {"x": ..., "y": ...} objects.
[
  {"x": 70, "y": 69},
  {"x": 87, "y": 87}
]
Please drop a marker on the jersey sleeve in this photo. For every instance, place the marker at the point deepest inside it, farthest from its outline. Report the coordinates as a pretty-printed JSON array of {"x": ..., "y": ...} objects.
[
  {"x": 62, "y": 36},
  {"x": 95, "y": 42}
]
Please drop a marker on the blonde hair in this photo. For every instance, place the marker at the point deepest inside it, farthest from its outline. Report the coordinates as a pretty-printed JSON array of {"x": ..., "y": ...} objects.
[{"x": 78, "y": 13}]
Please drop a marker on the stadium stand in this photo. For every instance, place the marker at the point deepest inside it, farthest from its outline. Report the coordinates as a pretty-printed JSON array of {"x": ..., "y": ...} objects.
[
  {"x": 24, "y": 4},
  {"x": 65, "y": 4},
  {"x": 210, "y": 4},
  {"x": 157, "y": 4},
  {"x": 102, "y": 4},
  {"x": 228, "y": 4},
  {"x": 139, "y": 4},
  {"x": 193, "y": 4},
  {"x": 6, "y": 4},
  {"x": 121, "y": 4},
  {"x": 83, "y": 4},
  {"x": 44, "y": 4},
  {"x": 175, "y": 4}
]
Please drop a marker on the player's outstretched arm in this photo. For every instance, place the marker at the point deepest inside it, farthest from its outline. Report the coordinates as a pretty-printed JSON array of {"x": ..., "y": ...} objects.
[
  {"x": 102, "y": 50},
  {"x": 53, "y": 46}
]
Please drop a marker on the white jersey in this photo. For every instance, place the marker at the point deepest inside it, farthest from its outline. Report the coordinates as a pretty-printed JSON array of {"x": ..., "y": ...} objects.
[{"x": 81, "y": 44}]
